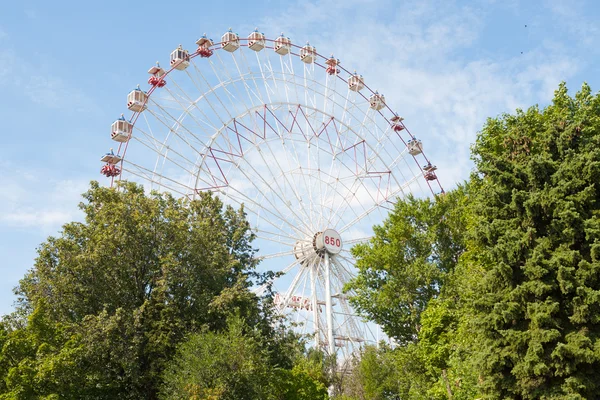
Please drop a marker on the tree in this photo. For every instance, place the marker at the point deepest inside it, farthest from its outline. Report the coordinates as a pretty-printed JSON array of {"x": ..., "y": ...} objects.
[
  {"x": 235, "y": 364},
  {"x": 408, "y": 260},
  {"x": 126, "y": 286},
  {"x": 538, "y": 239}
]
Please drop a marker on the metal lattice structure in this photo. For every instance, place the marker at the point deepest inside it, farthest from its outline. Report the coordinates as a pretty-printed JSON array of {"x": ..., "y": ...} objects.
[{"x": 314, "y": 155}]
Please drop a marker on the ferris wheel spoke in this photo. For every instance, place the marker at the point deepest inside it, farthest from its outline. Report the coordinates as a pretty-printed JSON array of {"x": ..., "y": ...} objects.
[
  {"x": 280, "y": 234},
  {"x": 266, "y": 66},
  {"x": 256, "y": 208},
  {"x": 193, "y": 104},
  {"x": 284, "y": 77},
  {"x": 261, "y": 289},
  {"x": 166, "y": 157},
  {"x": 259, "y": 177},
  {"x": 233, "y": 102},
  {"x": 285, "y": 177},
  {"x": 174, "y": 131},
  {"x": 276, "y": 255},
  {"x": 208, "y": 128},
  {"x": 254, "y": 81},
  {"x": 160, "y": 148},
  {"x": 345, "y": 205},
  {"x": 250, "y": 92},
  {"x": 375, "y": 206},
  {"x": 150, "y": 176},
  {"x": 358, "y": 240}
]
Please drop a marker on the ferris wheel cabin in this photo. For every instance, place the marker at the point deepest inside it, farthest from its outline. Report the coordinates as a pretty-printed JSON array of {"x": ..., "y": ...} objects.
[
  {"x": 121, "y": 130},
  {"x": 308, "y": 54},
  {"x": 397, "y": 124},
  {"x": 111, "y": 158},
  {"x": 156, "y": 76},
  {"x": 415, "y": 147},
  {"x": 430, "y": 172},
  {"x": 136, "y": 100},
  {"x": 256, "y": 40},
  {"x": 230, "y": 41},
  {"x": 356, "y": 82},
  {"x": 204, "y": 45},
  {"x": 180, "y": 58},
  {"x": 377, "y": 101},
  {"x": 283, "y": 45},
  {"x": 332, "y": 64}
]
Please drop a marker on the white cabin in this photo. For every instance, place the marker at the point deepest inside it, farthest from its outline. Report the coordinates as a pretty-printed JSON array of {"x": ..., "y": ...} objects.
[
  {"x": 121, "y": 130},
  {"x": 136, "y": 100},
  {"x": 111, "y": 158},
  {"x": 230, "y": 41},
  {"x": 429, "y": 167},
  {"x": 356, "y": 82},
  {"x": 180, "y": 58},
  {"x": 283, "y": 45},
  {"x": 256, "y": 40},
  {"x": 377, "y": 101},
  {"x": 415, "y": 147},
  {"x": 308, "y": 54}
]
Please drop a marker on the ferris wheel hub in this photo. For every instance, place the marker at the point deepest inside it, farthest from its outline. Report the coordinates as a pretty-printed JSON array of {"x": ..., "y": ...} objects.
[{"x": 328, "y": 241}]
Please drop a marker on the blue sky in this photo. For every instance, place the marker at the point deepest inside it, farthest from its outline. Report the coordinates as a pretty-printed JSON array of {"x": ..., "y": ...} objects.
[{"x": 66, "y": 67}]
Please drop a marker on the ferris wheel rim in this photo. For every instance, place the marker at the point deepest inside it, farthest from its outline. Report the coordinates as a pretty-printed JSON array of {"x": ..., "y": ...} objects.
[
  {"x": 309, "y": 270},
  {"x": 216, "y": 46}
]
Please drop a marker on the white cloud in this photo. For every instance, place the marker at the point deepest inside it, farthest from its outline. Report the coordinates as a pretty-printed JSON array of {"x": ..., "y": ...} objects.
[
  {"x": 31, "y": 199},
  {"x": 413, "y": 52}
]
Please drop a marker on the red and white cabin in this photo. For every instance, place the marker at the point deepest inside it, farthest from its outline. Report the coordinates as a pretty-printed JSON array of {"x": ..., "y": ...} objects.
[
  {"x": 121, "y": 130},
  {"x": 180, "y": 58},
  {"x": 332, "y": 64},
  {"x": 397, "y": 125},
  {"x": 204, "y": 45},
  {"x": 136, "y": 100},
  {"x": 256, "y": 41},
  {"x": 230, "y": 41},
  {"x": 156, "y": 76},
  {"x": 356, "y": 82},
  {"x": 308, "y": 54},
  {"x": 377, "y": 101},
  {"x": 283, "y": 45},
  {"x": 430, "y": 172},
  {"x": 157, "y": 71}
]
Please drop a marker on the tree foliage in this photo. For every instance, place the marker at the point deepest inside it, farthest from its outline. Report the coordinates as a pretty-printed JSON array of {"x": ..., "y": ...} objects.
[
  {"x": 111, "y": 297},
  {"x": 236, "y": 364},
  {"x": 513, "y": 312},
  {"x": 407, "y": 262},
  {"x": 538, "y": 237}
]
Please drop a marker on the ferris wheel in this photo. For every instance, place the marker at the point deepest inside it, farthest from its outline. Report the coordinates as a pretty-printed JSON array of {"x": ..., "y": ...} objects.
[{"x": 314, "y": 155}]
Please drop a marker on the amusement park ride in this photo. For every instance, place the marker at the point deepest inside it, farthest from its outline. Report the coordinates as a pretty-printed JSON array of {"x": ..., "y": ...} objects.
[{"x": 314, "y": 155}]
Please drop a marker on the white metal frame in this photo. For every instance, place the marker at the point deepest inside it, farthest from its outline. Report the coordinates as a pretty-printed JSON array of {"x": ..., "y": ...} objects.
[{"x": 297, "y": 148}]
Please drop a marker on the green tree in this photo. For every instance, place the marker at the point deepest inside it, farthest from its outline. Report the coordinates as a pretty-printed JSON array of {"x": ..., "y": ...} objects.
[
  {"x": 538, "y": 239},
  {"x": 235, "y": 364},
  {"x": 408, "y": 260},
  {"x": 125, "y": 287}
]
